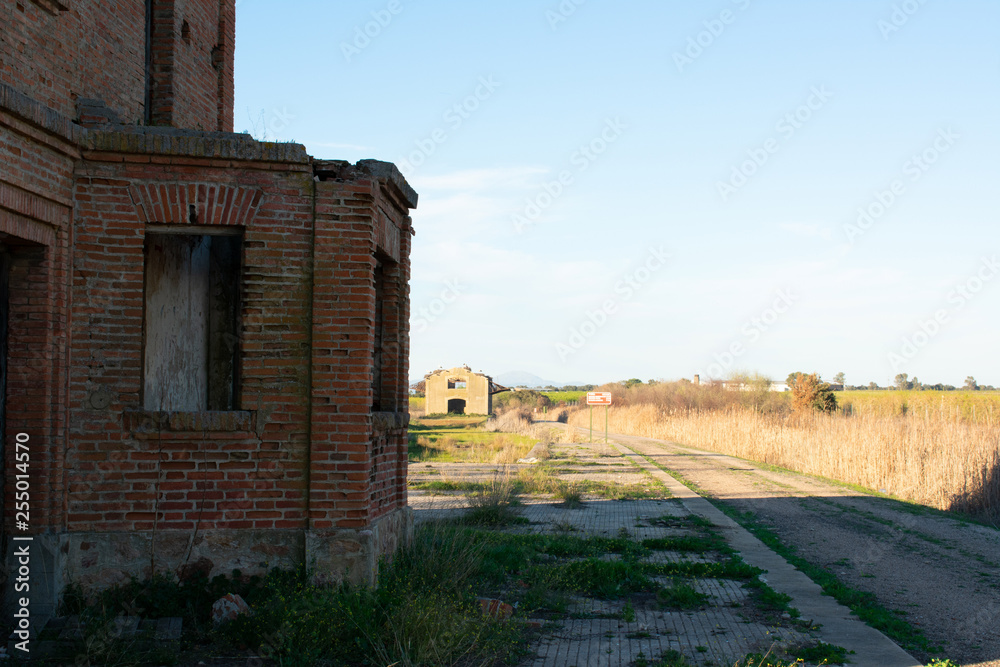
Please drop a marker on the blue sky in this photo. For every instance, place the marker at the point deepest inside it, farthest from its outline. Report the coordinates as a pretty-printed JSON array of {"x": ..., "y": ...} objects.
[{"x": 657, "y": 189}]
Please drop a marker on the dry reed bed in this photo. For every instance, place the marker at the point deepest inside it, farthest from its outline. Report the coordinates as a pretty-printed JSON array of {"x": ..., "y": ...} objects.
[{"x": 942, "y": 463}]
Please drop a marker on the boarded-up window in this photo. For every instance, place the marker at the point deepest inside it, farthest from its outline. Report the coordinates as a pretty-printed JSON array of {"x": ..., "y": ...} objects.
[{"x": 191, "y": 323}]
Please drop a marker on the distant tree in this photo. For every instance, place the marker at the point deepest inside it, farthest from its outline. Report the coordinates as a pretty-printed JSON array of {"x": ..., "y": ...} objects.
[
  {"x": 970, "y": 384},
  {"x": 631, "y": 382},
  {"x": 792, "y": 377},
  {"x": 872, "y": 386},
  {"x": 751, "y": 381},
  {"x": 651, "y": 382},
  {"x": 915, "y": 384},
  {"x": 839, "y": 378},
  {"x": 903, "y": 382},
  {"x": 810, "y": 393}
]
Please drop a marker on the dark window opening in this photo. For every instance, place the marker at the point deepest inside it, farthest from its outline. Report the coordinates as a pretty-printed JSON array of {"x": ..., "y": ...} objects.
[
  {"x": 456, "y": 406},
  {"x": 191, "y": 322},
  {"x": 456, "y": 384},
  {"x": 377, "y": 350}
]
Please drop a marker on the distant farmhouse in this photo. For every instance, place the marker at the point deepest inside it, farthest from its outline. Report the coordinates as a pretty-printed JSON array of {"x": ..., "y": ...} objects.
[{"x": 460, "y": 391}]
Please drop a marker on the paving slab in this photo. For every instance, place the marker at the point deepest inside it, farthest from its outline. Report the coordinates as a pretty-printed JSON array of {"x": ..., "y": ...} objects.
[
  {"x": 717, "y": 634},
  {"x": 838, "y": 624}
]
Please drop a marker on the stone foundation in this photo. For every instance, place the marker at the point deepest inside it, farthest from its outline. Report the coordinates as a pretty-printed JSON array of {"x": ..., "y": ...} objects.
[{"x": 99, "y": 560}]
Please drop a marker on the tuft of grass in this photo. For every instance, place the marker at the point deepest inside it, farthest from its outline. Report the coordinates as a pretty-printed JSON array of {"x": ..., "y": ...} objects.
[
  {"x": 680, "y": 595},
  {"x": 570, "y": 494},
  {"x": 770, "y": 600},
  {"x": 495, "y": 503},
  {"x": 822, "y": 653}
]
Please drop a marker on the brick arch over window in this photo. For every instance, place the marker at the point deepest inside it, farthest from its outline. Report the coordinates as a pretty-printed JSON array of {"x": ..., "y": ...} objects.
[{"x": 195, "y": 203}]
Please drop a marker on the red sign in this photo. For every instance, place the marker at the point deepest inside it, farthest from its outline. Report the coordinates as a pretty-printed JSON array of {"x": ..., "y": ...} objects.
[{"x": 598, "y": 398}]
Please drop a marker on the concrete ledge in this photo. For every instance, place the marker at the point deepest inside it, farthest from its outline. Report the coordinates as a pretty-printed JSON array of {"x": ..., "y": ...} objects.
[
  {"x": 384, "y": 172},
  {"x": 192, "y": 143},
  {"x": 99, "y": 560},
  {"x": 337, "y": 555},
  {"x": 38, "y": 114}
]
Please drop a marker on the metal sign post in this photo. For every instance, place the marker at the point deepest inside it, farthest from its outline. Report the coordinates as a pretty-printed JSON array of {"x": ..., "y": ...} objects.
[{"x": 599, "y": 398}]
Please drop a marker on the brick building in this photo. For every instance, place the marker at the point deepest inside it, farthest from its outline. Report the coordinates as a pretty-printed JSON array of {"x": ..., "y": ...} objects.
[
  {"x": 203, "y": 338},
  {"x": 460, "y": 391}
]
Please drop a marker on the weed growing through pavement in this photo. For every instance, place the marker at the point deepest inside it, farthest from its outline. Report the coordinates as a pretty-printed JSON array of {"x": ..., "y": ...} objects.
[
  {"x": 495, "y": 502},
  {"x": 822, "y": 653}
]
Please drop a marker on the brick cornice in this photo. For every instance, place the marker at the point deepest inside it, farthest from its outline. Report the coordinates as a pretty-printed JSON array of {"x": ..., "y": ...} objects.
[{"x": 195, "y": 203}]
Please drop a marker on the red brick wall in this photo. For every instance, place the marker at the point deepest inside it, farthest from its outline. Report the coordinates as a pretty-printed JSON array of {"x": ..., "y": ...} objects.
[
  {"x": 306, "y": 344},
  {"x": 128, "y": 474},
  {"x": 97, "y": 50},
  {"x": 357, "y": 457},
  {"x": 342, "y": 342},
  {"x": 303, "y": 458},
  {"x": 192, "y": 53},
  {"x": 35, "y": 216}
]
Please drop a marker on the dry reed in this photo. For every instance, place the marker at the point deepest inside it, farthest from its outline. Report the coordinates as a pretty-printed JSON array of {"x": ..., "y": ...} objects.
[{"x": 935, "y": 461}]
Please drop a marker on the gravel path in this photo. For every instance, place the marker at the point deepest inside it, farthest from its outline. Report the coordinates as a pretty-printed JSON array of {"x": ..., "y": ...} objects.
[{"x": 944, "y": 573}]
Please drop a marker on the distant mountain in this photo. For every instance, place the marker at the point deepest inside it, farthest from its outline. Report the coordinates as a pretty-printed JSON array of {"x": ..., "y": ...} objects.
[
  {"x": 526, "y": 379},
  {"x": 520, "y": 379}
]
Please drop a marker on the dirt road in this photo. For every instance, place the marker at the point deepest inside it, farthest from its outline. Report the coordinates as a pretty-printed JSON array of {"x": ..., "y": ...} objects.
[{"x": 941, "y": 573}]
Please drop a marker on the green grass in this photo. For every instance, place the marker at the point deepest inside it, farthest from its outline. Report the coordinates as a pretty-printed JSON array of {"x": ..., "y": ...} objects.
[
  {"x": 558, "y": 396},
  {"x": 687, "y": 543},
  {"x": 680, "y": 595},
  {"x": 540, "y": 480},
  {"x": 461, "y": 440},
  {"x": 769, "y": 600},
  {"x": 822, "y": 653},
  {"x": 423, "y": 611}
]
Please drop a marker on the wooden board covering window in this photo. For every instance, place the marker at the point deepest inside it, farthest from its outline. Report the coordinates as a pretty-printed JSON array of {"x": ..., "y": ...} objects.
[{"x": 191, "y": 322}]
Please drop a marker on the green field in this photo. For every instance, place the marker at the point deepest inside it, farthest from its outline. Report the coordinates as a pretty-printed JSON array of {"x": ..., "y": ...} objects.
[
  {"x": 461, "y": 439},
  {"x": 559, "y": 396},
  {"x": 979, "y": 406}
]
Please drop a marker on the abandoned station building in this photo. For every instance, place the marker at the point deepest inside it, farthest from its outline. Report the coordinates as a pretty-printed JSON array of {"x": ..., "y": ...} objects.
[
  {"x": 460, "y": 391},
  {"x": 203, "y": 337}
]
